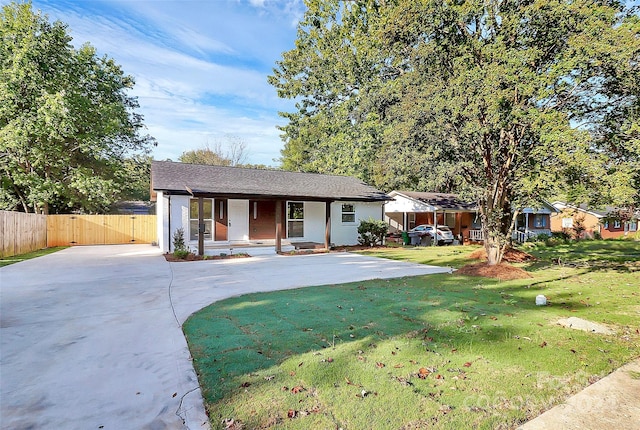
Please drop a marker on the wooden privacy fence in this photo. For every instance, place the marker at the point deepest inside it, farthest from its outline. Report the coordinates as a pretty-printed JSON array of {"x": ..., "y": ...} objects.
[
  {"x": 21, "y": 232},
  {"x": 64, "y": 230}
]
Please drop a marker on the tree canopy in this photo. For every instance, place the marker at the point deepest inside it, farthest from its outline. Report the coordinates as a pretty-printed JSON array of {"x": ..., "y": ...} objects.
[
  {"x": 69, "y": 130},
  {"x": 506, "y": 102},
  {"x": 233, "y": 152}
]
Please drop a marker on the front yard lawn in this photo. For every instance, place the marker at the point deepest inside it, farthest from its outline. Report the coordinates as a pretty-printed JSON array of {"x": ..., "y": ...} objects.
[{"x": 438, "y": 351}]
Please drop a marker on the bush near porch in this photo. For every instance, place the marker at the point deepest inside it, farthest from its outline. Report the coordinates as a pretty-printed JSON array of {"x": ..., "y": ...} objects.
[{"x": 438, "y": 351}]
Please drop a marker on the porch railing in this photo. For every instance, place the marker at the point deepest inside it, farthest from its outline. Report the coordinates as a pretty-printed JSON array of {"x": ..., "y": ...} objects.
[
  {"x": 518, "y": 236},
  {"x": 523, "y": 236},
  {"x": 476, "y": 236}
]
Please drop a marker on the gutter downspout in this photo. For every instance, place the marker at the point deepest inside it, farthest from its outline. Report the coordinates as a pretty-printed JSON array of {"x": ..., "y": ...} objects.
[{"x": 169, "y": 226}]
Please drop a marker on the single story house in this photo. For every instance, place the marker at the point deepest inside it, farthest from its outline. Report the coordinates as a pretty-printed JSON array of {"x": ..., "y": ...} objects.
[
  {"x": 533, "y": 221},
  {"x": 603, "y": 222},
  {"x": 218, "y": 205},
  {"x": 411, "y": 208}
]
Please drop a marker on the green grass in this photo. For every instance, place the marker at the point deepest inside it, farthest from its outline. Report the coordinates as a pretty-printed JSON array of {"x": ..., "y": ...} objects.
[
  {"x": 29, "y": 255},
  {"x": 490, "y": 357}
]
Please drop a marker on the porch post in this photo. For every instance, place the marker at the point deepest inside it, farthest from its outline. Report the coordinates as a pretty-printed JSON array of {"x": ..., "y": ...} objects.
[
  {"x": 327, "y": 228},
  {"x": 200, "y": 226},
  {"x": 435, "y": 227},
  {"x": 526, "y": 225},
  {"x": 278, "y": 225}
]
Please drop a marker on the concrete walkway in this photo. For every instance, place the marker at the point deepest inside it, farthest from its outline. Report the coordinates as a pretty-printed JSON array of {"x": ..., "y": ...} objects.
[
  {"x": 90, "y": 337},
  {"x": 612, "y": 403}
]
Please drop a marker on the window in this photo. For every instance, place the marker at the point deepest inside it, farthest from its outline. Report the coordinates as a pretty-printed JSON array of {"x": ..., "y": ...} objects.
[
  {"x": 633, "y": 225},
  {"x": 295, "y": 219},
  {"x": 567, "y": 222},
  {"x": 450, "y": 220},
  {"x": 616, "y": 223},
  {"x": 539, "y": 221},
  {"x": 348, "y": 213},
  {"x": 606, "y": 224},
  {"x": 193, "y": 219},
  {"x": 412, "y": 220}
]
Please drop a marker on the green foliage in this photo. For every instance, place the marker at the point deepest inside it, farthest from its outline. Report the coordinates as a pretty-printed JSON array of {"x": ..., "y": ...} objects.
[
  {"x": 480, "y": 98},
  {"x": 178, "y": 240},
  {"x": 180, "y": 253},
  {"x": 67, "y": 124},
  {"x": 372, "y": 232}
]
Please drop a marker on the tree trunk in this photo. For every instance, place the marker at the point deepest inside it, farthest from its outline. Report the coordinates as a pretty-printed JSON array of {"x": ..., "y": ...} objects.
[{"x": 497, "y": 222}]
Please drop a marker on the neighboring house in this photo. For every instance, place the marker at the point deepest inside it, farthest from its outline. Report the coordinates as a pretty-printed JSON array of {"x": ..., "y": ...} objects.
[
  {"x": 134, "y": 208},
  {"x": 410, "y": 208},
  {"x": 532, "y": 222},
  {"x": 581, "y": 218},
  {"x": 218, "y": 205}
]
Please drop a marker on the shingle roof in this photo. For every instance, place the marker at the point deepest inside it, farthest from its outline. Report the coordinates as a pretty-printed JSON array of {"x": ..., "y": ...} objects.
[
  {"x": 205, "y": 180},
  {"x": 441, "y": 200},
  {"x": 598, "y": 212}
]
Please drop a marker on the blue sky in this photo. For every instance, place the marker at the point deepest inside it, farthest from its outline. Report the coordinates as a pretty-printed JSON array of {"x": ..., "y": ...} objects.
[{"x": 200, "y": 67}]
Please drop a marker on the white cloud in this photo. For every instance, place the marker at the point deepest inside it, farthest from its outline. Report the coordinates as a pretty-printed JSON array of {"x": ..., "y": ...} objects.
[{"x": 200, "y": 67}]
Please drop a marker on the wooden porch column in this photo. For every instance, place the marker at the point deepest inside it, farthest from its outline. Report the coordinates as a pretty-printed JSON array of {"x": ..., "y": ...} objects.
[
  {"x": 278, "y": 225},
  {"x": 327, "y": 228},
  {"x": 200, "y": 226}
]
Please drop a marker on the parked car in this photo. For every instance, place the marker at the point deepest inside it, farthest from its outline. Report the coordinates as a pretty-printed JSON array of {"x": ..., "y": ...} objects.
[{"x": 444, "y": 234}]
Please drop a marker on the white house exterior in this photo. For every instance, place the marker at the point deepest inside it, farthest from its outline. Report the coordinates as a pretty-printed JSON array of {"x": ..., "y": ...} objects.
[{"x": 218, "y": 206}]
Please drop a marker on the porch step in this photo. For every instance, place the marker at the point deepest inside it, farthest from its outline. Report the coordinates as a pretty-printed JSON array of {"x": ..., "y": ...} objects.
[{"x": 308, "y": 245}]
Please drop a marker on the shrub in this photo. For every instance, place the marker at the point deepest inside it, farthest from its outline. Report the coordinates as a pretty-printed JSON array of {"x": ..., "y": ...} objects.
[
  {"x": 180, "y": 253},
  {"x": 372, "y": 232},
  {"x": 178, "y": 240}
]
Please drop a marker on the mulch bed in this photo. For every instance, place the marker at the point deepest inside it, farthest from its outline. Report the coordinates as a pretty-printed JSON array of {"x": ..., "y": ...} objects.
[
  {"x": 501, "y": 271},
  {"x": 192, "y": 257},
  {"x": 512, "y": 255}
]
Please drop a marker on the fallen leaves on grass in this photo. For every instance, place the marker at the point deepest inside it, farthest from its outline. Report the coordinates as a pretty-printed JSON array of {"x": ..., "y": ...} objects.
[
  {"x": 423, "y": 373},
  {"x": 232, "y": 424},
  {"x": 297, "y": 389}
]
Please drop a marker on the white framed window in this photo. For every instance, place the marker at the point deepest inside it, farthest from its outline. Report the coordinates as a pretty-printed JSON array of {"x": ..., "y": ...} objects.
[
  {"x": 616, "y": 223},
  {"x": 567, "y": 222},
  {"x": 193, "y": 219},
  {"x": 295, "y": 219},
  {"x": 633, "y": 225},
  {"x": 412, "y": 220},
  {"x": 348, "y": 213},
  {"x": 539, "y": 221}
]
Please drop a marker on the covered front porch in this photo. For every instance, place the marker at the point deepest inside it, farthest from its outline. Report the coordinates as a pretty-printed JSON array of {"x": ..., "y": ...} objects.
[{"x": 410, "y": 209}]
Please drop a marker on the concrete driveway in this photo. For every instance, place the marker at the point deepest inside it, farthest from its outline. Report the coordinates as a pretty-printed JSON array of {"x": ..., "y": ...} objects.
[{"x": 90, "y": 337}]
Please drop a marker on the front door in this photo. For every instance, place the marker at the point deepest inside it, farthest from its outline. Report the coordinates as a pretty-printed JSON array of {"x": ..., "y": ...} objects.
[
  {"x": 220, "y": 214},
  {"x": 238, "y": 220}
]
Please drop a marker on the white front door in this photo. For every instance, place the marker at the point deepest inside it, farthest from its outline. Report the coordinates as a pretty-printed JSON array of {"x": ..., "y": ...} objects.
[{"x": 238, "y": 220}]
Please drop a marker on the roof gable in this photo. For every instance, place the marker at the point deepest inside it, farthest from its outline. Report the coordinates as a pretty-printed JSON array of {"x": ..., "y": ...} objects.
[{"x": 206, "y": 180}]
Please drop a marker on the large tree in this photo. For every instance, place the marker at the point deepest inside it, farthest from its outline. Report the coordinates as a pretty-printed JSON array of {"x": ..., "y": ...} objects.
[
  {"x": 68, "y": 126},
  {"x": 507, "y": 102},
  {"x": 230, "y": 152}
]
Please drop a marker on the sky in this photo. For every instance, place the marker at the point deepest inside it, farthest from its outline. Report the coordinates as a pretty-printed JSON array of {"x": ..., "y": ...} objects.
[{"x": 200, "y": 67}]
